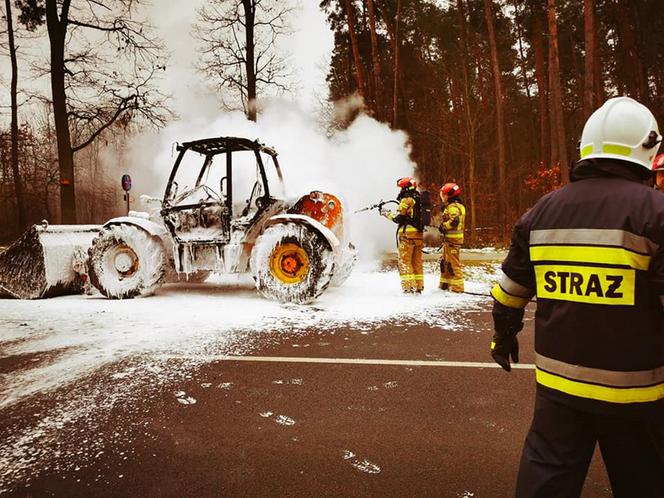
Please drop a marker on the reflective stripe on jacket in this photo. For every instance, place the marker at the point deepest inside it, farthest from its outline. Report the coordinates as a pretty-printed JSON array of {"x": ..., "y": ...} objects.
[
  {"x": 454, "y": 219},
  {"x": 593, "y": 254}
]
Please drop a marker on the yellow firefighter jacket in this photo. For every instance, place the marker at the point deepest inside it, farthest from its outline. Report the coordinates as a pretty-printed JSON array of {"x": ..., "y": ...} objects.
[
  {"x": 454, "y": 219},
  {"x": 405, "y": 216}
]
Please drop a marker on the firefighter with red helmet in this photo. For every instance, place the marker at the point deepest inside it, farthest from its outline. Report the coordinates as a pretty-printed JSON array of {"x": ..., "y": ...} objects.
[
  {"x": 592, "y": 252},
  {"x": 451, "y": 229},
  {"x": 409, "y": 235},
  {"x": 658, "y": 168}
]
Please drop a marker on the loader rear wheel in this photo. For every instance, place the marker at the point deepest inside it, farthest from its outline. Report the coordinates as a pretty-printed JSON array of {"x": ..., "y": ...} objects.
[
  {"x": 292, "y": 263},
  {"x": 125, "y": 261}
]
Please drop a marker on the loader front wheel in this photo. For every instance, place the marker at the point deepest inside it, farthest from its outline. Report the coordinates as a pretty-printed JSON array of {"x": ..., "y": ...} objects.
[
  {"x": 125, "y": 261},
  {"x": 292, "y": 263}
]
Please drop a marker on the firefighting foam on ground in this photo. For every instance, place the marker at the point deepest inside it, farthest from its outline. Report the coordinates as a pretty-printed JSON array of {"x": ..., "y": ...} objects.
[{"x": 79, "y": 356}]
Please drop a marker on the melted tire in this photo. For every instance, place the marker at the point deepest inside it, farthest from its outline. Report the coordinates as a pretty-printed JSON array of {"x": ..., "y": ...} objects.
[
  {"x": 151, "y": 262},
  {"x": 320, "y": 263}
]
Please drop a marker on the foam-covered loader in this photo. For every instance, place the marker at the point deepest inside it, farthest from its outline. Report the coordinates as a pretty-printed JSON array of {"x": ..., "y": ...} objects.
[{"x": 224, "y": 211}]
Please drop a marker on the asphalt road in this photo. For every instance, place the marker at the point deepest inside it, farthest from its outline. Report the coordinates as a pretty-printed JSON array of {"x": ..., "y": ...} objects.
[{"x": 232, "y": 427}]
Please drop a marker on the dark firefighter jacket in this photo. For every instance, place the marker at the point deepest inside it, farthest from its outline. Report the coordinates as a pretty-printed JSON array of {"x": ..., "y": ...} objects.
[{"x": 593, "y": 254}]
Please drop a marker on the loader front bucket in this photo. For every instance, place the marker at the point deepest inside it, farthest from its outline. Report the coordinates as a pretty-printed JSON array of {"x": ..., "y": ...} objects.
[{"x": 41, "y": 263}]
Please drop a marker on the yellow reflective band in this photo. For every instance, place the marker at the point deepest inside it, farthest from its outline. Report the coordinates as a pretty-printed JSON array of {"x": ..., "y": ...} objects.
[
  {"x": 585, "y": 284},
  {"x": 600, "y": 393},
  {"x": 590, "y": 254},
  {"x": 508, "y": 299},
  {"x": 493, "y": 345},
  {"x": 619, "y": 150},
  {"x": 588, "y": 149}
]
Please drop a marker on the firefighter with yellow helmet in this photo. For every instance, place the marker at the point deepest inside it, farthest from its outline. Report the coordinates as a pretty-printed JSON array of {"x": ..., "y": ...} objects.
[
  {"x": 409, "y": 235},
  {"x": 451, "y": 229},
  {"x": 593, "y": 254}
]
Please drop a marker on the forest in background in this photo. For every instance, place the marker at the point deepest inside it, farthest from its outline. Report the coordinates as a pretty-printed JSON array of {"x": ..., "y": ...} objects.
[{"x": 492, "y": 93}]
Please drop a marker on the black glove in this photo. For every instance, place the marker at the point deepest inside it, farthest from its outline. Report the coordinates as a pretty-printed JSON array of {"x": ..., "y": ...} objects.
[
  {"x": 507, "y": 323},
  {"x": 502, "y": 348}
]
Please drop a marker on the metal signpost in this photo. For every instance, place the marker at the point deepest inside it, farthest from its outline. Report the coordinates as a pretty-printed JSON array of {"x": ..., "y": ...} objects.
[{"x": 126, "y": 186}]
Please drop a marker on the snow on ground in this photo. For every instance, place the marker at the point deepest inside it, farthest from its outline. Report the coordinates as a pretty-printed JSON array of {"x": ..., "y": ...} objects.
[{"x": 78, "y": 356}]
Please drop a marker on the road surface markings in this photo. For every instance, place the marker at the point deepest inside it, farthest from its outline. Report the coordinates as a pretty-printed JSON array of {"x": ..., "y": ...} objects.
[{"x": 358, "y": 361}]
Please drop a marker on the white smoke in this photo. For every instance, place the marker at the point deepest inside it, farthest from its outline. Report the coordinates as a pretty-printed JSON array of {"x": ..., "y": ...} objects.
[{"x": 360, "y": 164}]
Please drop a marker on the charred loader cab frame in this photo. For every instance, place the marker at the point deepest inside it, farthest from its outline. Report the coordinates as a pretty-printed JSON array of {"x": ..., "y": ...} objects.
[
  {"x": 210, "y": 148},
  {"x": 209, "y": 225}
]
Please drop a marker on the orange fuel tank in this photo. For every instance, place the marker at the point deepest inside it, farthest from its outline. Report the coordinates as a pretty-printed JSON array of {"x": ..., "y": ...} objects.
[{"x": 324, "y": 208}]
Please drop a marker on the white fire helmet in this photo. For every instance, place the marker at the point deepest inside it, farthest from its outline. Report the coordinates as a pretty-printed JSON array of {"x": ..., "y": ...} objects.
[{"x": 621, "y": 129}]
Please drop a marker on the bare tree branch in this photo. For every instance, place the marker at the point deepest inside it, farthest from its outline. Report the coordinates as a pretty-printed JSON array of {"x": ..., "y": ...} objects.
[{"x": 242, "y": 71}]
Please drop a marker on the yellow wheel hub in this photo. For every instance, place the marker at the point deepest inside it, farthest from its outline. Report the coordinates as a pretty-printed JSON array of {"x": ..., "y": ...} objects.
[
  {"x": 289, "y": 263},
  {"x": 125, "y": 260}
]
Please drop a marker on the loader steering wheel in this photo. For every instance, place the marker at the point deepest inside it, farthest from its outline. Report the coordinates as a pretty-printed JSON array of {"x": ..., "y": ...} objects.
[{"x": 211, "y": 194}]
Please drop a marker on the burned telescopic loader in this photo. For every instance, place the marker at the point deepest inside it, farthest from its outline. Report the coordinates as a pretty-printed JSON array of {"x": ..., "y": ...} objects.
[{"x": 229, "y": 221}]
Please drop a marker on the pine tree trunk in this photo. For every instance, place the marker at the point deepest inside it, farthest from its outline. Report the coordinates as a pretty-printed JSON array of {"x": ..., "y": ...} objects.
[
  {"x": 634, "y": 73},
  {"x": 18, "y": 188},
  {"x": 357, "y": 59},
  {"x": 57, "y": 30},
  {"x": 522, "y": 56},
  {"x": 250, "y": 63},
  {"x": 470, "y": 124},
  {"x": 600, "y": 95},
  {"x": 500, "y": 120},
  {"x": 378, "y": 94},
  {"x": 542, "y": 87},
  {"x": 590, "y": 44},
  {"x": 558, "y": 147},
  {"x": 397, "y": 68}
]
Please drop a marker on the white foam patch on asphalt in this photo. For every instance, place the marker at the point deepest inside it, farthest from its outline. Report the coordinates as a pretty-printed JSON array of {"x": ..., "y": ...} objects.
[
  {"x": 88, "y": 332},
  {"x": 78, "y": 357}
]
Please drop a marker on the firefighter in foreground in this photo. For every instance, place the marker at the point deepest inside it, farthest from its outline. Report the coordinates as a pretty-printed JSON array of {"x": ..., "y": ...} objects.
[
  {"x": 658, "y": 168},
  {"x": 451, "y": 229},
  {"x": 409, "y": 234},
  {"x": 593, "y": 254}
]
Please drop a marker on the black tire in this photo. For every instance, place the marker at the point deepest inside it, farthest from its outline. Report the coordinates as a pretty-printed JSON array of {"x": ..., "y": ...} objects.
[
  {"x": 345, "y": 264},
  {"x": 125, "y": 262},
  {"x": 309, "y": 281}
]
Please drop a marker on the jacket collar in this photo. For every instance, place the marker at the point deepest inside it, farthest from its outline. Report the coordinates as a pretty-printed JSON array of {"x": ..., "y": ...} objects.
[{"x": 602, "y": 168}]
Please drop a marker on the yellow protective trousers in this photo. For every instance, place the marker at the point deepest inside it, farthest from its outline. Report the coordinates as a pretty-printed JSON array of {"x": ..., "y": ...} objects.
[
  {"x": 410, "y": 261},
  {"x": 451, "y": 271}
]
